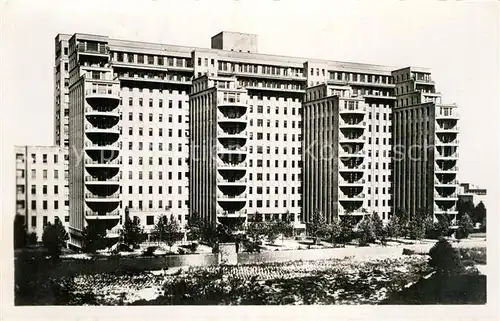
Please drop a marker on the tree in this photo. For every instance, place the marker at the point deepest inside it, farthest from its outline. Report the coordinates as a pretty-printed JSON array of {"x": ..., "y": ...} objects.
[
  {"x": 445, "y": 259},
  {"x": 54, "y": 238},
  {"x": 394, "y": 228},
  {"x": 479, "y": 213},
  {"x": 93, "y": 238},
  {"x": 347, "y": 223},
  {"x": 271, "y": 231},
  {"x": 284, "y": 228},
  {"x": 333, "y": 231},
  {"x": 195, "y": 226},
  {"x": 255, "y": 231},
  {"x": 378, "y": 227},
  {"x": 20, "y": 233},
  {"x": 132, "y": 232},
  {"x": 465, "y": 207},
  {"x": 417, "y": 225},
  {"x": 316, "y": 228},
  {"x": 366, "y": 233},
  {"x": 167, "y": 230},
  {"x": 403, "y": 217},
  {"x": 465, "y": 226}
]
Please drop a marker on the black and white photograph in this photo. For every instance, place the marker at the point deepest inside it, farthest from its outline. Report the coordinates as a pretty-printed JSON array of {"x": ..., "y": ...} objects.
[{"x": 250, "y": 153}]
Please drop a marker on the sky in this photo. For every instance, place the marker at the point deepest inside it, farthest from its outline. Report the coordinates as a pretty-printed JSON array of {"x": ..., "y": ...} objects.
[{"x": 458, "y": 40}]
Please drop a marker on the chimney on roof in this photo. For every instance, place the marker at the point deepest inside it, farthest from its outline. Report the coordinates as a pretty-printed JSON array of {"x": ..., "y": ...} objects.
[{"x": 235, "y": 41}]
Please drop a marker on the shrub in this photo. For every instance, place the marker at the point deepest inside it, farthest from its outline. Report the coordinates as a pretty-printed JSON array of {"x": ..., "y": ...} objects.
[
  {"x": 465, "y": 227},
  {"x": 445, "y": 259},
  {"x": 193, "y": 247},
  {"x": 366, "y": 233},
  {"x": 149, "y": 251},
  {"x": 408, "y": 252}
]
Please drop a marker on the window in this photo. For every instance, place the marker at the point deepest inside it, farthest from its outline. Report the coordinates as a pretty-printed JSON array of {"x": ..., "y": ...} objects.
[
  {"x": 56, "y": 205},
  {"x": 44, "y": 205},
  {"x": 33, "y": 174},
  {"x": 33, "y": 221}
]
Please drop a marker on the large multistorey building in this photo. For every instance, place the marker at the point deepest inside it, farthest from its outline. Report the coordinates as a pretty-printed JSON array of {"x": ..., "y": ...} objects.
[
  {"x": 152, "y": 128},
  {"x": 425, "y": 146},
  {"x": 41, "y": 186}
]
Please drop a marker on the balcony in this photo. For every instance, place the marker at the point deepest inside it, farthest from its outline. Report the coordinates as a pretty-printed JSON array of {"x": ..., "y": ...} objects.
[
  {"x": 278, "y": 89},
  {"x": 239, "y": 166},
  {"x": 344, "y": 197},
  {"x": 354, "y": 168},
  {"x": 231, "y": 150},
  {"x": 359, "y": 182},
  {"x": 112, "y": 197},
  {"x": 235, "y": 134},
  {"x": 102, "y": 95},
  {"x": 232, "y": 197},
  {"x": 353, "y": 125},
  {"x": 91, "y": 215},
  {"x": 232, "y": 102},
  {"x": 352, "y": 110},
  {"x": 360, "y": 139},
  {"x": 452, "y": 183},
  {"x": 156, "y": 79},
  {"x": 450, "y": 197},
  {"x": 451, "y": 170},
  {"x": 241, "y": 181},
  {"x": 451, "y": 129},
  {"x": 232, "y": 214},
  {"x": 89, "y": 111},
  {"x": 222, "y": 117},
  {"x": 447, "y": 114},
  {"x": 101, "y": 50}
]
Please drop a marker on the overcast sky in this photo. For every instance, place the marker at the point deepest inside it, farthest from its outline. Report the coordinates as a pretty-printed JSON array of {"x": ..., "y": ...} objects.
[{"x": 458, "y": 40}]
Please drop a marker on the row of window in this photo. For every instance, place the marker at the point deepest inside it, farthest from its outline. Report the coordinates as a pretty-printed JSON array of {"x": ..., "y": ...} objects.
[
  {"x": 256, "y": 69},
  {"x": 140, "y": 204},
  {"x": 259, "y": 203},
  {"x": 160, "y": 175},
  {"x": 45, "y": 204},
  {"x": 260, "y": 136},
  {"x": 152, "y": 59},
  {"x": 170, "y": 132},
  {"x": 160, "y": 118},
  {"x": 260, "y": 163},
  {"x": 260, "y": 123},
  {"x": 45, "y": 174},
  {"x": 267, "y": 190},
  {"x": 150, "y": 190},
  {"x": 260, "y": 110},
  {"x": 260, "y": 150},
  {"x": 46, "y": 220},
  {"x": 259, "y": 177},
  {"x": 160, "y": 161},
  {"x": 151, "y": 103},
  {"x": 45, "y": 158},
  {"x": 20, "y": 189},
  {"x": 140, "y": 146}
]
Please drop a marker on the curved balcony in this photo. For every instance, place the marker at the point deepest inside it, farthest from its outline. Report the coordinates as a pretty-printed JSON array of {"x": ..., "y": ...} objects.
[
  {"x": 451, "y": 196},
  {"x": 234, "y": 190},
  {"x": 352, "y": 183},
  {"x": 232, "y": 204},
  {"x": 102, "y": 153},
  {"x": 232, "y": 133},
  {"x": 231, "y": 157},
  {"x": 107, "y": 220},
  {"x": 102, "y": 204},
  {"x": 232, "y": 181},
  {"x": 116, "y": 163},
  {"x": 103, "y": 188},
  {"x": 232, "y": 142},
  {"x": 352, "y": 165},
  {"x": 104, "y": 135},
  {"x": 232, "y": 108},
  {"x": 360, "y": 110},
  {"x": 231, "y": 173},
  {"x": 236, "y": 149},
  {"x": 353, "y": 124},
  {"x": 103, "y": 100},
  {"x": 102, "y": 119}
]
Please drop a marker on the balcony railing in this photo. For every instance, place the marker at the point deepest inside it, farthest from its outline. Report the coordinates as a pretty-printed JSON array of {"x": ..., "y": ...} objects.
[
  {"x": 350, "y": 109},
  {"x": 353, "y": 124},
  {"x": 103, "y": 91},
  {"x": 355, "y": 197},
  {"x": 238, "y": 181},
  {"x": 346, "y": 182},
  {"x": 452, "y": 195},
  {"x": 102, "y": 49},
  {"x": 241, "y": 165},
  {"x": 223, "y": 149},
  {"x": 96, "y": 179},
  {"x": 223, "y": 196},
  {"x": 220, "y": 116},
  {"x": 451, "y": 169},
  {"x": 455, "y": 128},
  {"x": 93, "y": 196},
  {"x": 352, "y": 138},
  {"x": 451, "y": 183},
  {"x": 235, "y": 213},
  {"x": 113, "y": 112},
  {"x": 91, "y": 128},
  {"x": 223, "y": 133},
  {"x": 104, "y": 146},
  {"x": 237, "y": 102},
  {"x": 113, "y": 213},
  {"x": 115, "y": 161},
  {"x": 345, "y": 167}
]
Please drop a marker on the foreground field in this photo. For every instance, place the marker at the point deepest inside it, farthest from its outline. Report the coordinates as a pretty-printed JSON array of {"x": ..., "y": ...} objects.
[{"x": 341, "y": 281}]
